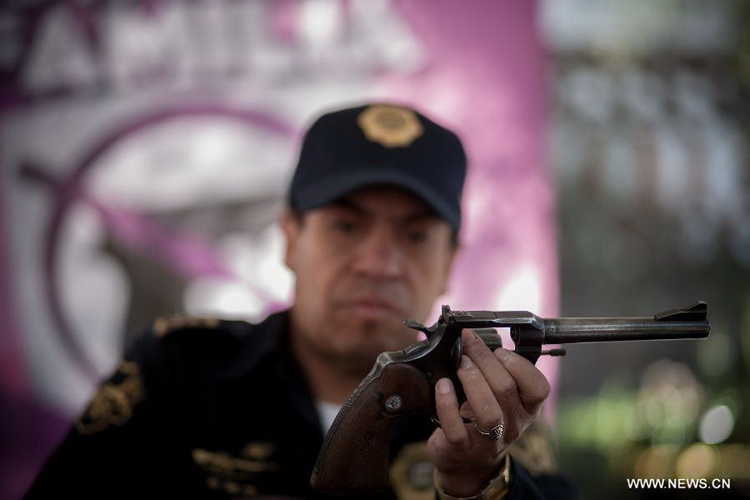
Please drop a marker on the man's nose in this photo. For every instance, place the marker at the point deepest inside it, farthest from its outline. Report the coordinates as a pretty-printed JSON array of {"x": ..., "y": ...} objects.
[{"x": 379, "y": 254}]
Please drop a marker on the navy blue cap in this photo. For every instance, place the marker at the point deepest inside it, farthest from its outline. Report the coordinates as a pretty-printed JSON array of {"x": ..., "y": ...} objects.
[{"x": 380, "y": 144}]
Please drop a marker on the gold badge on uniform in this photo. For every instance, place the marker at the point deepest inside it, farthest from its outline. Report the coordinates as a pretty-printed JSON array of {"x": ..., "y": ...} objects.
[
  {"x": 390, "y": 126},
  {"x": 411, "y": 473}
]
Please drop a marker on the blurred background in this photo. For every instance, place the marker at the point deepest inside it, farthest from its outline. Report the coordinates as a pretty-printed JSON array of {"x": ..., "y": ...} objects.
[
  {"x": 649, "y": 144},
  {"x": 145, "y": 147}
]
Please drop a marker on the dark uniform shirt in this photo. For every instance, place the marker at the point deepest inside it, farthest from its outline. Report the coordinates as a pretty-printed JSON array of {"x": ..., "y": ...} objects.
[{"x": 205, "y": 408}]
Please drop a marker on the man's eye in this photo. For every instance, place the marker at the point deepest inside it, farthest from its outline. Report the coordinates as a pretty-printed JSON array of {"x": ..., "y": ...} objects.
[
  {"x": 416, "y": 236},
  {"x": 344, "y": 226}
]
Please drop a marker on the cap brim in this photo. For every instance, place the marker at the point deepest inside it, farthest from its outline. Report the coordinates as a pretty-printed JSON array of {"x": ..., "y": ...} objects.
[{"x": 334, "y": 187}]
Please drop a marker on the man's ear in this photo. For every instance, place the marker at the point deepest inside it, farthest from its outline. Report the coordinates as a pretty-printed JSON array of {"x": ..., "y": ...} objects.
[{"x": 290, "y": 225}]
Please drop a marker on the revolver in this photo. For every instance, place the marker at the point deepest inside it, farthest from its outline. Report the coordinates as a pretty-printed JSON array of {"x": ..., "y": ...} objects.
[{"x": 354, "y": 456}]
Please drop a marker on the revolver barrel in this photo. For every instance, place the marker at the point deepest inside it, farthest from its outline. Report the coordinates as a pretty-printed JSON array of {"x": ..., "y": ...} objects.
[{"x": 688, "y": 323}]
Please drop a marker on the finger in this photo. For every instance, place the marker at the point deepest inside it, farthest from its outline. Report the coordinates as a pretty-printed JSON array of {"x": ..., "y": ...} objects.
[
  {"x": 479, "y": 394},
  {"x": 533, "y": 386},
  {"x": 446, "y": 404},
  {"x": 478, "y": 351},
  {"x": 501, "y": 381},
  {"x": 467, "y": 412}
]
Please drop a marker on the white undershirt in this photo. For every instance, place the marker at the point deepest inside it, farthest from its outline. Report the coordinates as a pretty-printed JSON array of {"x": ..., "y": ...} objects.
[{"x": 327, "y": 412}]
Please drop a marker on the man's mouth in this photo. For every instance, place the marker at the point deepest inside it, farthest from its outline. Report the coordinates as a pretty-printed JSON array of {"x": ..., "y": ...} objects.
[{"x": 376, "y": 309}]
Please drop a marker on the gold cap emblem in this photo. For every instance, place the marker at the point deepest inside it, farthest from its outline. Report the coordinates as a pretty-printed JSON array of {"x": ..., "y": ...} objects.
[{"x": 390, "y": 126}]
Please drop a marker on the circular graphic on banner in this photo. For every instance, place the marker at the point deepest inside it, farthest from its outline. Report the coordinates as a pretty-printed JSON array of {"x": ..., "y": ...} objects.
[{"x": 175, "y": 211}]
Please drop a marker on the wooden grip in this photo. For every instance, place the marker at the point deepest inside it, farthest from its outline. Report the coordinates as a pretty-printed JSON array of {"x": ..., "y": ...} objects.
[{"x": 354, "y": 456}]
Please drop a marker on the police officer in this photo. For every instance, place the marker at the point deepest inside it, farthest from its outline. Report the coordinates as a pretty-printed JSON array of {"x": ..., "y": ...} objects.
[{"x": 204, "y": 408}]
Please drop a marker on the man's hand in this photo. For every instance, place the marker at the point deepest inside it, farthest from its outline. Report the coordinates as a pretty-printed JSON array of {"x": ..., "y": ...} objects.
[{"x": 501, "y": 388}]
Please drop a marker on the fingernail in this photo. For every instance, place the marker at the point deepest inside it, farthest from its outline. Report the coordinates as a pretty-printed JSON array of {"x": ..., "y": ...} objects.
[
  {"x": 466, "y": 362},
  {"x": 444, "y": 386}
]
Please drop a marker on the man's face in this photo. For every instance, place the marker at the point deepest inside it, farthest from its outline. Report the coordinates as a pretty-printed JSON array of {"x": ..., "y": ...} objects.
[{"x": 363, "y": 265}]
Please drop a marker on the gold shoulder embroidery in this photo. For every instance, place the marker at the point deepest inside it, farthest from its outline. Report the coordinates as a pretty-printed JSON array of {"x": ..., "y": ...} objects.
[
  {"x": 168, "y": 324},
  {"x": 535, "y": 450},
  {"x": 113, "y": 403}
]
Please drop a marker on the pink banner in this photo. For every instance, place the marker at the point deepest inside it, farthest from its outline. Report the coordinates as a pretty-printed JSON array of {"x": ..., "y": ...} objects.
[{"x": 117, "y": 122}]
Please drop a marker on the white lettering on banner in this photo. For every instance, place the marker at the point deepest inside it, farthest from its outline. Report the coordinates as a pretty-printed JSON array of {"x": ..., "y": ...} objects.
[
  {"x": 60, "y": 55},
  {"x": 187, "y": 44}
]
